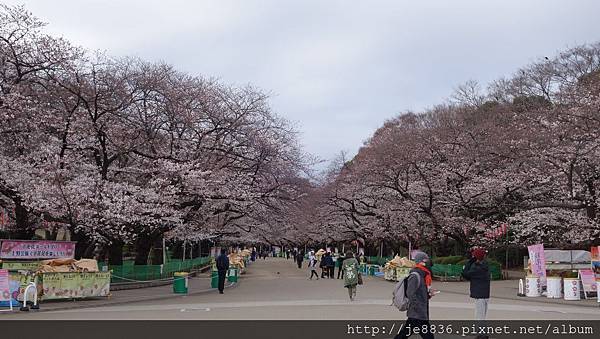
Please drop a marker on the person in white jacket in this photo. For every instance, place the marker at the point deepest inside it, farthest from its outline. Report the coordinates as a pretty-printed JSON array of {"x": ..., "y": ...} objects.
[{"x": 312, "y": 265}]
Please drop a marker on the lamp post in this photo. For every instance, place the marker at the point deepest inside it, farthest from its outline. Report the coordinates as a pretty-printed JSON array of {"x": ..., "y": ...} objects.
[{"x": 164, "y": 248}]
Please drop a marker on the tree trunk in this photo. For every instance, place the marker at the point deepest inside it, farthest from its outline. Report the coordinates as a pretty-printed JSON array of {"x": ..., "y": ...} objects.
[
  {"x": 115, "y": 253},
  {"x": 81, "y": 244},
  {"x": 142, "y": 249}
]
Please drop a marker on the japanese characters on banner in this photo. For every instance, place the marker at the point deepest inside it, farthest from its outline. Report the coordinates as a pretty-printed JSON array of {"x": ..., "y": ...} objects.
[
  {"x": 34, "y": 249},
  {"x": 75, "y": 285},
  {"x": 4, "y": 287},
  {"x": 596, "y": 261},
  {"x": 537, "y": 262}
]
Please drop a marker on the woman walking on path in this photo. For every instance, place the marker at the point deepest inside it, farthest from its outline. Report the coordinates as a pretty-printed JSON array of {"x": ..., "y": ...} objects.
[
  {"x": 312, "y": 266},
  {"x": 350, "y": 266}
]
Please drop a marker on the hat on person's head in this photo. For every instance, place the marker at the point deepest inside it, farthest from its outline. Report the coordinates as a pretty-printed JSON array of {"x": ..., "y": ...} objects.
[
  {"x": 478, "y": 253},
  {"x": 420, "y": 256}
]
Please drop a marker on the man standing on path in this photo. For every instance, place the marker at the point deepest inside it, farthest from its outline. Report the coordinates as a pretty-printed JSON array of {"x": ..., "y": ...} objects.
[
  {"x": 222, "y": 267},
  {"x": 418, "y": 292},
  {"x": 340, "y": 260},
  {"x": 477, "y": 271},
  {"x": 300, "y": 258}
]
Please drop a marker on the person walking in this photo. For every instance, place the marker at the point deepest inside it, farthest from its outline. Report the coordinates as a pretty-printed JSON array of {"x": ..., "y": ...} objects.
[
  {"x": 299, "y": 258},
  {"x": 418, "y": 292},
  {"x": 350, "y": 267},
  {"x": 340, "y": 260},
  {"x": 322, "y": 265},
  {"x": 222, "y": 267},
  {"x": 312, "y": 266},
  {"x": 477, "y": 271}
]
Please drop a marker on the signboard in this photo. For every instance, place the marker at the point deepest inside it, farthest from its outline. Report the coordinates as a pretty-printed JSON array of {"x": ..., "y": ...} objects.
[
  {"x": 588, "y": 280},
  {"x": 596, "y": 261},
  {"x": 36, "y": 249},
  {"x": 4, "y": 287},
  {"x": 537, "y": 262},
  {"x": 21, "y": 266},
  {"x": 75, "y": 285}
]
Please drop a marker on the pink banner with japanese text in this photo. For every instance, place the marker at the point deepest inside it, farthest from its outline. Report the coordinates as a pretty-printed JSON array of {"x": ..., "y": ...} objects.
[
  {"x": 537, "y": 262},
  {"x": 36, "y": 249},
  {"x": 4, "y": 287}
]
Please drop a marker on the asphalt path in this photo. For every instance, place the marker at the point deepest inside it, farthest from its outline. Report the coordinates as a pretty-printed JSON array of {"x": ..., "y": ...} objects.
[{"x": 276, "y": 289}]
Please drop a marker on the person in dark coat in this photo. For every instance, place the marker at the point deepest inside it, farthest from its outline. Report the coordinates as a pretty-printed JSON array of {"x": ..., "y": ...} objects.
[
  {"x": 323, "y": 265},
  {"x": 340, "y": 260},
  {"x": 330, "y": 265},
  {"x": 418, "y": 291},
  {"x": 477, "y": 271},
  {"x": 222, "y": 267},
  {"x": 299, "y": 258}
]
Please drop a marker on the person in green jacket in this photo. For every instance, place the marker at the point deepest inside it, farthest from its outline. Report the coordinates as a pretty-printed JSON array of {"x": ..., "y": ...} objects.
[{"x": 350, "y": 266}]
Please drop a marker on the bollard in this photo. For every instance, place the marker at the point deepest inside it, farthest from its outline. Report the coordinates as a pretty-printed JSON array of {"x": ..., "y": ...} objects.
[{"x": 35, "y": 305}]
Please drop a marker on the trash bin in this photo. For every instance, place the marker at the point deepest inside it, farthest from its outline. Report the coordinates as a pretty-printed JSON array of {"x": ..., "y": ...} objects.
[
  {"x": 232, "y": 275},
  {"x": 180, "y": 282},
  {"x": 214, "y": 279}
]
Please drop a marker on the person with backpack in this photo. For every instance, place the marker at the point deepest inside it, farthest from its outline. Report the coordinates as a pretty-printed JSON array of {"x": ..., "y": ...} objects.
[
  {"x": 350, "y": 267},
  {"x": 412, "y": 295},
  {"x": 477, "y": 271}
]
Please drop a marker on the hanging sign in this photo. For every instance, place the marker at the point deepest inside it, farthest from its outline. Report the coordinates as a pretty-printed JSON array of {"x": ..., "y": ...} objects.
[{"x": 36, "y": 249}]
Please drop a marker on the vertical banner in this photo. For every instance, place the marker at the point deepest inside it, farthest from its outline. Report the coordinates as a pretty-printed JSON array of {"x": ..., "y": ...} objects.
[
  {"x": 588, "y": 281},
  {"x": 4, "y": 287},
  {"x": 537, "y": 262},
  {"x": 596, "y": 261}
]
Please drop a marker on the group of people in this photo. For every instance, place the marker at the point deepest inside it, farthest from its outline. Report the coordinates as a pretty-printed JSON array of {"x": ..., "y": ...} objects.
[
  {"x": 327, "y": 263},
  {"x": 348, "y": 266},
  {"x": 261, "y": 254},
  {"x": 419, "y": 291},
  {"x": 418, "y": 283}
]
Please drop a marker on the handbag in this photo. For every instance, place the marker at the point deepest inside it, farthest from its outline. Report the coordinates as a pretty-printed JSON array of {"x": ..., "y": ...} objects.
[{"x": 360, "y": 280}]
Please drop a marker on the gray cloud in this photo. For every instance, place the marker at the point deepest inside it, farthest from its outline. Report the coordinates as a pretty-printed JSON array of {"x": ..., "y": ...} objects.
[{"x": 337, "y": 68}]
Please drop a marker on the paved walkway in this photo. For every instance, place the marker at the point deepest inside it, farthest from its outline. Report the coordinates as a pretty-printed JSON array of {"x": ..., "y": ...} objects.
[{"x": 277, "y": 289}]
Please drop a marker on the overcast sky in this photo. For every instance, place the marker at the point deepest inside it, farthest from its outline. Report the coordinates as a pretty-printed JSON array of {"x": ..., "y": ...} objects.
[{"x": 338, "y": 69}]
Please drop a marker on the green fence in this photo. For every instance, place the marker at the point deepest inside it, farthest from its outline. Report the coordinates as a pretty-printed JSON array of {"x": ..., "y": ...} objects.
[
  {"x": 377, "y": 260},
  {"x": 128, "y": 272},
  {"x": 454, "y": 271}
]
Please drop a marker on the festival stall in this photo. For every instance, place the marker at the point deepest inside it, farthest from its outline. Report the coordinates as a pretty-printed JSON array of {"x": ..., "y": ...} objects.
[
  {"x": 397, "y": 268},
  {"x": 555, "y": 273},
  {"x": 51, "y": 266}
]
